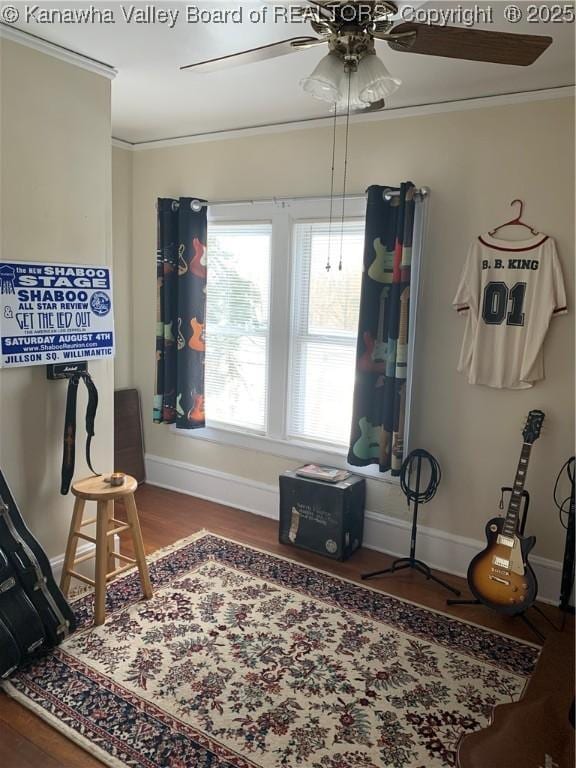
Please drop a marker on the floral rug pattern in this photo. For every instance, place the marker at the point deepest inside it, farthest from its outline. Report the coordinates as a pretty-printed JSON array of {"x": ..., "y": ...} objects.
[{"x": 244, "y": 659}]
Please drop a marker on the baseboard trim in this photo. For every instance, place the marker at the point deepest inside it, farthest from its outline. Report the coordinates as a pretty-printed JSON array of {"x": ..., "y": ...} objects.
[
  {"x": 87, "y": 567},
  {"x": 442, "y": 550},
  {"x": 57, "y": 563}
]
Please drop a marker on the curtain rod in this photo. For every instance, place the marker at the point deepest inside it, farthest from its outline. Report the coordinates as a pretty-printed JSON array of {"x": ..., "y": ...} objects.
[{"x": 196, "y": 205}]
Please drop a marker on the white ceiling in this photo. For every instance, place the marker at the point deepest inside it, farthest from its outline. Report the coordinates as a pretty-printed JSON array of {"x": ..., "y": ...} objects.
[{"x": 153, "y": 99}]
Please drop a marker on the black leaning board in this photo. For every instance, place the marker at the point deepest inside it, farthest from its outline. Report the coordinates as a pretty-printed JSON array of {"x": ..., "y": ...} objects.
[
  {"x": 327, "y": 518},
  {"x": 128, "y": 440}
]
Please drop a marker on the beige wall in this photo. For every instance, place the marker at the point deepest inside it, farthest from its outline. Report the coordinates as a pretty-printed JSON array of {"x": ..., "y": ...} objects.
[
  {"x": 475, "y": 162},
  {"x": 122, "y": 257},
  {"x": 55, "y": 206}
]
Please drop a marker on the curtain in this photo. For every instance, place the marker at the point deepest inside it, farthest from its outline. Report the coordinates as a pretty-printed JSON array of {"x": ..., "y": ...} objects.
[
  {"x": 180, "y": 313},
  {"x": 377, "y": 434}
]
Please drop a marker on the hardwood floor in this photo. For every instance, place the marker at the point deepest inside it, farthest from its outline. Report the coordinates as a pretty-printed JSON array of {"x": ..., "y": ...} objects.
[{"x": 27, "y": 742}]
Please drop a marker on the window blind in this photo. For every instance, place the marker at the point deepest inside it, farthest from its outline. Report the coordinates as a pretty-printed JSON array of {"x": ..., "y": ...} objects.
[
  {"x": 237, "y": 322},
  {"x": 324, "y": 323}
]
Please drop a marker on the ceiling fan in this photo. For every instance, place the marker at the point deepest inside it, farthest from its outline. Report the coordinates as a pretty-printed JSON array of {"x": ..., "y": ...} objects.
[{"x": 350, "y": 27}]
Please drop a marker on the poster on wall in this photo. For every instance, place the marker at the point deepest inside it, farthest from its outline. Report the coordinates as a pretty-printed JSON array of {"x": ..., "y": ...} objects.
[{"x": 54, "y": 313}]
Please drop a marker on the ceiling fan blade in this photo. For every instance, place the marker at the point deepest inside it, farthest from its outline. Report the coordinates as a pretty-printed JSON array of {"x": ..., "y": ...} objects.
[
  {"x": 469, "y": 44},
  {"x": 255, "y": 54}
]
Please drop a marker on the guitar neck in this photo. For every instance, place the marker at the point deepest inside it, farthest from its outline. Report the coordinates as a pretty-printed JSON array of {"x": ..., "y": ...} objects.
[
  {"x": 512, "y": 516},
  {"x": 381, "y": 315}
]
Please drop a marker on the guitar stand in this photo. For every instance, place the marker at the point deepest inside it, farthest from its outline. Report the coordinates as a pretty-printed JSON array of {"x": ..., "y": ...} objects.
[
  {"x": 567, "y": 583},
  {"x": 522, "y": 616},
  {"x": 525, "y": 619},
  {"x": 412, "y": 562}
]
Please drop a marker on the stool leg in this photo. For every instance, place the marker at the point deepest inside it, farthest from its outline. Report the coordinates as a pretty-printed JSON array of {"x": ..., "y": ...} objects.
[
  {"x": 139, "y": 554},
  {"x": 101, "y": 562},
  {"x": 111, "y": 560},
  {"x": 71, "y": 545}
]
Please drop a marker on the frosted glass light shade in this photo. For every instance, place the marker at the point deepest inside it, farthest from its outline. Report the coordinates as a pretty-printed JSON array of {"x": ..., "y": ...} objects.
[
  {"x": 374, "y": 80},
  {"x": 324, "y": 81},
  {"x": 355, "y": 100}
]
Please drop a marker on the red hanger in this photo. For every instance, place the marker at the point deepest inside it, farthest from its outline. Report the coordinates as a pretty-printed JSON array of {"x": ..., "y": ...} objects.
[{"x": 517, "y": 221}]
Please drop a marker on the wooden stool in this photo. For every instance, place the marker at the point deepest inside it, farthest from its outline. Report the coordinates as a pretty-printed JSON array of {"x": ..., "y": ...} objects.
[{"x": 96, "y": 489}]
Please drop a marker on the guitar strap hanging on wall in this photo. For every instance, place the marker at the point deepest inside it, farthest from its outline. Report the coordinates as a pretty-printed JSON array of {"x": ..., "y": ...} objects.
[{"x": 69, "y": 452}]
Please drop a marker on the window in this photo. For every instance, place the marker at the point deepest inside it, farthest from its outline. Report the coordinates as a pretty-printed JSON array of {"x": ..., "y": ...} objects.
[
  {"x": 324, "y": 329},
  {"x": 237, "y": 321},
  {"x": 281, "y": 330}
]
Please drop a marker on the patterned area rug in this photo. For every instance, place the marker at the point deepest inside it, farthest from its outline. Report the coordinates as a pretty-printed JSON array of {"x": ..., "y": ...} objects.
[{"x": 245, "y": 659}]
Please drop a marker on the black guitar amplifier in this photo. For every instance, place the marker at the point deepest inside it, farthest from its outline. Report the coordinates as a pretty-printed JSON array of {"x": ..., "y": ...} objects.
[{"x": 327, "y": 518}]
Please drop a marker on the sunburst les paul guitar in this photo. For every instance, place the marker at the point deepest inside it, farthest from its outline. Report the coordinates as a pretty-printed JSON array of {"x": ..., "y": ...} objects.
[{"x": 501, "y": 576}]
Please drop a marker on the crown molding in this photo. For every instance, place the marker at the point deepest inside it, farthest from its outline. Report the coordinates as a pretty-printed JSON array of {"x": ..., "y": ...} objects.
[
  {"x": 121, "y": 144},
  {"x": 419, "y": 110},
  {"x": 67, "y": 55}
]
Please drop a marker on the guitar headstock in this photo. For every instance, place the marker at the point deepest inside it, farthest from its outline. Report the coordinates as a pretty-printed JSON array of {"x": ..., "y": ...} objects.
[{"x": 531, "y": 431}]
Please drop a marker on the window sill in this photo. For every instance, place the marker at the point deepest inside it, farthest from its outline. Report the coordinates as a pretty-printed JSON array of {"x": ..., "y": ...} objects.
[{"x": 289, "y": 449}]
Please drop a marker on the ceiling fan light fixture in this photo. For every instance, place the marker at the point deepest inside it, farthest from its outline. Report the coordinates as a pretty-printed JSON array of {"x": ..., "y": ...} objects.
[
  {"x": 374, "y": 80},
  {"x": 324, "y": 82},
  {"x": 356, "y": 102}
]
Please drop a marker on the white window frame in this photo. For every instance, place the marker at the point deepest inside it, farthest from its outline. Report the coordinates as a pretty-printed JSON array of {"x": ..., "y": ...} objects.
[
  {"x": 334, "y": 257},
  {"x": 223, "y": 426},
  {"x": 275, "y": 442}
]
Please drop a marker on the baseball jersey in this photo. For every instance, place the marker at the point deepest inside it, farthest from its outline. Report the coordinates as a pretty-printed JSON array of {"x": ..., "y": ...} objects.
[{"x": 508, "y": 292}]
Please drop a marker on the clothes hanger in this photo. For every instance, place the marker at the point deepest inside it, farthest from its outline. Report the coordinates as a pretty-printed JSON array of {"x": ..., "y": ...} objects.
[{"x": 516, "y": 222}]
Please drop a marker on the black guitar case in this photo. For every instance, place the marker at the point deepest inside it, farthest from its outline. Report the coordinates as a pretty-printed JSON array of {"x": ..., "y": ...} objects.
[{"x": 34, "y": 615}]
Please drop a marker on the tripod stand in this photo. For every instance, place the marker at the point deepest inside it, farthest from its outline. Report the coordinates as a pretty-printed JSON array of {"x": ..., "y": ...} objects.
[{"x": 418, "y": 497}]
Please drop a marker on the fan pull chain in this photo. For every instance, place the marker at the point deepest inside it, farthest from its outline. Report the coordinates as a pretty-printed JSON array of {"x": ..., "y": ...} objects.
[
  {"x": 328, "y": 266},
  {"x": 345, "y": 171}
]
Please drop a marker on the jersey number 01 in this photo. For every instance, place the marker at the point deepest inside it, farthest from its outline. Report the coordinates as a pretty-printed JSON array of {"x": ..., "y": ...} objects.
[{"x": 497, "y": 295}]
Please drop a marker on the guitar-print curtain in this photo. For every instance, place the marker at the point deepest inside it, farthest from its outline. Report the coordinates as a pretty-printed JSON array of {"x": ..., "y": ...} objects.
[
  {"x": 377, "y": 434},
  {"x": 180, "y": 313}
]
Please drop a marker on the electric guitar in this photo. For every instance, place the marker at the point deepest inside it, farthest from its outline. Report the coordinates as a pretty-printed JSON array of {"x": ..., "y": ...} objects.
[
  {"x": 398, "y": 435},
  {"x": 169, "y": 339},
  {"x": 368, "y": 444},
  {"x": 382, "y": 267},
  {"x": 402, "y": 350},
  {"x": 500, "y": 576},
  {"x": 374, "y": 358},
  {"x": 182, "y": 265},
  {"x": 196, "y": 413},
  {"x": 196, "y": 341},
  {"x": 198, "y": 261},
  {"x": 181, "y": 339}
]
